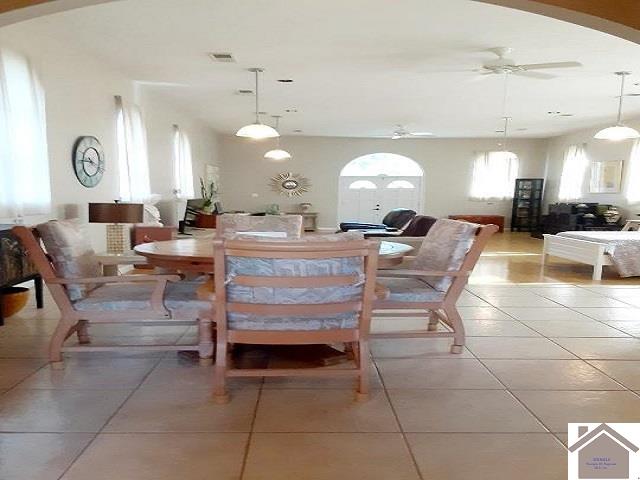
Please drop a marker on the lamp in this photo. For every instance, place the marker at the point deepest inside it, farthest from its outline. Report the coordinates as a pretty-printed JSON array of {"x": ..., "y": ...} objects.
[
  {"x": 619, "y": 131},
  {"x": 116, "y": 214},
  {"x": 277, "y": 153},
  {"x": 257, "y": 130}
]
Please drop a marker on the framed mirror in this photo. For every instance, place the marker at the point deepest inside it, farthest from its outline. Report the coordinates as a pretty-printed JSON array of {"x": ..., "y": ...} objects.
[
  {"x": 606, "y": 176},
  {"x": 290, "y": 184}
]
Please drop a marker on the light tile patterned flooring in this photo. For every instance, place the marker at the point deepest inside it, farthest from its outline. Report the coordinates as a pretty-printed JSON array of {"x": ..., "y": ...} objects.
[{"x": 537, "y": 357}]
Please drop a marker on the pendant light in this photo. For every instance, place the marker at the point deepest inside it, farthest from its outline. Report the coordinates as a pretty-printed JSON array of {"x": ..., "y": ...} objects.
[
  {"x": 619, "y": 131},
  {"x": 257, "y": 130},
  {"x": 505, "y": 117},
  {"x": 277, "y": 153}
]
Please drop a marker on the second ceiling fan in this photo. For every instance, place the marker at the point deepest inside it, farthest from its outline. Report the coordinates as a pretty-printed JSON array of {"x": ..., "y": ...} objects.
[{"x": 504, "y": 65}]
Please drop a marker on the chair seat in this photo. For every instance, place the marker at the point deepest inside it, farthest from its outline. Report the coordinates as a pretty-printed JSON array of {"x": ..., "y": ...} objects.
[
  {"x": 179, "y": 296},
  {"x": 241, "y": 321},
  {"x": 409, "y": 290}
]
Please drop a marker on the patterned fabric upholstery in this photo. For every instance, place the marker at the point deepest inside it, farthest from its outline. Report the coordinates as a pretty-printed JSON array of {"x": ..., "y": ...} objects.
[
  {"x": 67, "y": 242},
  {"x": 136, "y": 296},
  {"x": 409, "y": 290},
  {"x": 443, "y": 249},
  {"x": 293, "y": 267},
  {"x": 230, "y": 224}
]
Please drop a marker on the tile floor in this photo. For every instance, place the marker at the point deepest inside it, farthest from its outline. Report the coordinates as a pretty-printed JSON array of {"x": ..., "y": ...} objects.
[{"x": 537, "y": 357}]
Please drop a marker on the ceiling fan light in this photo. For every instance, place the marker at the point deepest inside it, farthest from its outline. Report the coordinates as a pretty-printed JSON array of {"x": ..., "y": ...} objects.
[
  {"x": 257, "y": 131},
  {"x": 617, "y": 133},
  {"x": 277, "y": 154}
]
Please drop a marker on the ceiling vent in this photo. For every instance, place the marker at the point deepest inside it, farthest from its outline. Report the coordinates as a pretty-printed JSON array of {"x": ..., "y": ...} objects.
[
  {"x": 242, "y": 91},
  {"x": 222, "y": 57}
]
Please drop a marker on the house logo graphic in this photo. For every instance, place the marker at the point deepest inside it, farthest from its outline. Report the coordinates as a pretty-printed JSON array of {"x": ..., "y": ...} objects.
[{"x": 603, "y": 450}]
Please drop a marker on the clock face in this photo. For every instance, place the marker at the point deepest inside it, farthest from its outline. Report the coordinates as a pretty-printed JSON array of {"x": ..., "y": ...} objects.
[{"x": 88, "y": 161}]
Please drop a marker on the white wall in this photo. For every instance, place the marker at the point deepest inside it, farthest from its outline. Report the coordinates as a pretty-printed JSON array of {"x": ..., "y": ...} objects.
[
  {"x": 596, "y": 150},
  {"x": 80, "y": 101},
  {"x": 447, "y": 164}
]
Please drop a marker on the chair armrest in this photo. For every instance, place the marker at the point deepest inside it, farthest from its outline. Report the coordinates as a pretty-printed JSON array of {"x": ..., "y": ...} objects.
[
  {"x": 118, "y": 279},
  {"x": 400, "y": 273}
]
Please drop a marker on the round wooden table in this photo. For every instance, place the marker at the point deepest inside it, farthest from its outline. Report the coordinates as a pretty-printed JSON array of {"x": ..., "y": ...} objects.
[{"x": 196, "y": 255}]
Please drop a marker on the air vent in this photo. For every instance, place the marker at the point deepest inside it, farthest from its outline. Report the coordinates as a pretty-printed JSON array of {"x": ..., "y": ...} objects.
[
  {"x": 242, "y": 91},
  {"x": 222, "y": 57},
  {"x": 291, "y": 110},
  {"x": 297, "y": 130},
  {"x": 285, "y": 80}
]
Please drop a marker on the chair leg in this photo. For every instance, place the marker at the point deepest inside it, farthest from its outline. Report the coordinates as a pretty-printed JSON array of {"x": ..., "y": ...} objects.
[
  {"x": 55, "y": 344},
  {"x": 434, "y": 321},
  {"x": 220, "y": 373},
  {"x": 362, "y": 393},
  {"x": 83, "y": 332},
  {"x": 205, "y": 341},
  {"x": 458, "y": 329}
]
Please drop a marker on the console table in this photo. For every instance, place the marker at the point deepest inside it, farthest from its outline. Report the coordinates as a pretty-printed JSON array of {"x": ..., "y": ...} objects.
[{"x": 15, "y": 267}]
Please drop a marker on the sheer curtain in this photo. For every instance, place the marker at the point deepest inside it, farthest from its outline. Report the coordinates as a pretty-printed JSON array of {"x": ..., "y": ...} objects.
[
  {"x": 632, "y": 187},
  {"x": 494, "y": 176},
  {"x": 24, "y": 161},
  {"x": 133, "y": 159},
  {"x": 182, "y": 164},
  {"x": 573, "y": 171}
]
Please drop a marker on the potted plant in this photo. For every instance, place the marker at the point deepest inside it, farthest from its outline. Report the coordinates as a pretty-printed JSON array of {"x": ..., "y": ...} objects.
[{"x": 209, "y": 193}]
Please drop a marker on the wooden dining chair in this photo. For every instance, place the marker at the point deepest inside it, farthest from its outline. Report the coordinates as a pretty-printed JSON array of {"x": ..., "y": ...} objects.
[
  {"x": 433, "y": 282},
  {"x": 316, "y": 290},
  {"x": 230, "y": 224},
  {"x": 72, "y": 275}
]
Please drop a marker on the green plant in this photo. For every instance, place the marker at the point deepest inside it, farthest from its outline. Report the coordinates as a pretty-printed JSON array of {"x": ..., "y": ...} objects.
[{"x": 209, "y": 193}]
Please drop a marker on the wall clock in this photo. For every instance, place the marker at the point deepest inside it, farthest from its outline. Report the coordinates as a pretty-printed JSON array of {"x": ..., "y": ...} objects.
[{"x": 88, "y": 161}]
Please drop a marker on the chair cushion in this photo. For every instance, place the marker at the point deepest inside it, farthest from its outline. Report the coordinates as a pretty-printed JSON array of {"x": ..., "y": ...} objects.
[
  {"x": 409, "y": 290},
  {"x": 67, "y": 243},
  {"x": 443, "y": 249},
  {"x": 230, "y": 224},
  {"x": 292, "y": 267},
  {"x": 180, "y": 296}
]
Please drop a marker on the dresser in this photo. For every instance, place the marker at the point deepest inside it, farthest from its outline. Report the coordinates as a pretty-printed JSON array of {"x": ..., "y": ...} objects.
[{"x": 15, "y": 267}]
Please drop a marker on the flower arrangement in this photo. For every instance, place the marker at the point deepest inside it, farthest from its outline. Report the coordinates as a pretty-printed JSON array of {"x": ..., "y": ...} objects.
[{"x": 209, "y": 192}]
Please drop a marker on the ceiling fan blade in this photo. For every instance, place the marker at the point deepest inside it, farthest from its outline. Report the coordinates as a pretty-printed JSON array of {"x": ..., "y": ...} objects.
[
  {"x": 540, "y": 66},
  {"x": 538, "y": 75}
]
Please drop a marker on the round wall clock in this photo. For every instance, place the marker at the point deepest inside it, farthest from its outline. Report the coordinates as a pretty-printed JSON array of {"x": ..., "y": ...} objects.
[{"x": 88, "y": 161}]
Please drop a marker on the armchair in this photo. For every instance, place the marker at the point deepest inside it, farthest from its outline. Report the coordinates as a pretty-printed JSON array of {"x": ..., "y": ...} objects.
[
  {"x": 434, "y": 281},
  {"x": 71, "y": 273},
  {"x": 392, "y": 221},
  {"x": 231, "y": 223},
  {"x": 314, "y": 290}
]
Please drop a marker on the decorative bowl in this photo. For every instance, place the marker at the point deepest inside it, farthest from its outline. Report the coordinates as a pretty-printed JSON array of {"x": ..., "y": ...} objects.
[{"x": 13, "y": 300}]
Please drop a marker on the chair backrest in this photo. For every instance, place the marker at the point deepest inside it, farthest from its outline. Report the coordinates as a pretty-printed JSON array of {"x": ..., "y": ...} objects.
[
  {"x": 326, "y": 281},
  {"x": 230, "y": 224},
  {"x": 398, "y": 217},
  {"x": 419, "y": 226},
  {"x": 451, "y": 245},
  {"x": 68, "y": 246}
]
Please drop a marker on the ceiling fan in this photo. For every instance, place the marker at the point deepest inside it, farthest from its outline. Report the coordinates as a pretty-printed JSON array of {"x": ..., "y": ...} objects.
[
  {"x": 402, "y": 132},
  {"x": 503, "y": 65}
]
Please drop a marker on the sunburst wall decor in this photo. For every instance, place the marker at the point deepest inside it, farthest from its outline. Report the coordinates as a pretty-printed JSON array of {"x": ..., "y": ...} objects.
[{"x": 290, "y": 184}]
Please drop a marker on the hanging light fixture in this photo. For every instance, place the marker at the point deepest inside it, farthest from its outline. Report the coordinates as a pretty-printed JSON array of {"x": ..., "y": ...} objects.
[
  {"x": 505, "y": 117},
  {"x": 277, "y": 153},
  {"x": 619, "y": 131},
  {"x": 257, "y": 130}
]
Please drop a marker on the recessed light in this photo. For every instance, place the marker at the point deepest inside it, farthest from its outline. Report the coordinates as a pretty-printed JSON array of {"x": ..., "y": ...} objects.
[
  {"x": 297, "y": 130},
  {"x": 566, "y": 114},
  {"x": 285, "y": 80},
  {"x": 291, "y": 110},
  {"x": 521, "y": 129}
]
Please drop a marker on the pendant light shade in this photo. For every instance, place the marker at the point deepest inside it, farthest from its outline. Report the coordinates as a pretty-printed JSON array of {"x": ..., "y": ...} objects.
[
  {"x": 619, "y": 131},
  {"x": 257, "y": 130},
  {"x": 277, "y": 153}
]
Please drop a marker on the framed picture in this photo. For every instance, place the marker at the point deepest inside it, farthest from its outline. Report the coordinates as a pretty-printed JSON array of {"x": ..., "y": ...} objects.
[{"x": 606, "y": 176}]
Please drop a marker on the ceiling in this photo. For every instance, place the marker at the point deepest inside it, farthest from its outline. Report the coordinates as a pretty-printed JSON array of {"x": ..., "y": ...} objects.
[{"x": 359, "y": 67}]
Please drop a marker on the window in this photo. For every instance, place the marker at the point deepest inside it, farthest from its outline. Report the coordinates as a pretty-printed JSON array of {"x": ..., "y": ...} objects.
[
  {"x": 133, "y": 158},
  {"x": 573, "y": 171},
  {"x": 24, "y": 160},
  {"x": 400, "y": 184},
  {"x": 494, "y": 176},
  {"x": 182, "y": 164},
  {"x": 632, "y": 189},
  {"x": 359, "y": 184},
  {"x": 376, "y": 164}
]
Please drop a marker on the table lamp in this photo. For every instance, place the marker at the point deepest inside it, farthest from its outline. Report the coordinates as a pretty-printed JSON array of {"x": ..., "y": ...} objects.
[{"x": 116, "y": 215}]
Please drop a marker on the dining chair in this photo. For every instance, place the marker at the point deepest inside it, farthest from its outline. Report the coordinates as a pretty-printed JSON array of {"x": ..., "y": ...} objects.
[
  {"x": 433, "y": 282},
  {"x": 228, "y": 224},
  {"x": 73, "y": 276},
  {"x": 316, "y": 290}
]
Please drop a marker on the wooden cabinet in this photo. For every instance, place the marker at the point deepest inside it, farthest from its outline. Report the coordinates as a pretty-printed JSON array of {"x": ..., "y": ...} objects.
[{"x": 527, "y": 205}]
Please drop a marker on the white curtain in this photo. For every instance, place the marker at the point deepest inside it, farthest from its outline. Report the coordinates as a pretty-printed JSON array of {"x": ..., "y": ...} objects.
[
  {"x": 24, "y": 161},
  {"x": 574, "y": 169},
  {"x": 632, "y": 187},
  {"x": 133, "y": 160},
  {"x": 494, "y": 176},
  {"x": 182, "y": 164}
]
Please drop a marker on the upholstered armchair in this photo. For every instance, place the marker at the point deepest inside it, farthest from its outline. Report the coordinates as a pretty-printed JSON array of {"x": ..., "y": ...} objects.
[
  {"x": 434, "y": 280},
  {"x": 72, "y": 275},
  {"x": 316, "y": 290},
  {"x": 229, "y": 224}
]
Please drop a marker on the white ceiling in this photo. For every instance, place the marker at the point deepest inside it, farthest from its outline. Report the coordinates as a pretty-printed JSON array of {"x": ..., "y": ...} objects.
[{"x": 359, "y": 66}]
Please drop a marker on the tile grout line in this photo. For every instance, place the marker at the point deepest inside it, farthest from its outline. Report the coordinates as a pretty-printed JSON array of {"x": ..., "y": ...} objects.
[{"x": 245, "y": 455}]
